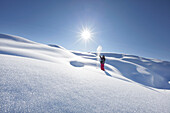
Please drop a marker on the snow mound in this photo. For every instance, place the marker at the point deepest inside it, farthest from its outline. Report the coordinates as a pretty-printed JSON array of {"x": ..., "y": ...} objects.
[
  {"x": 14, "y": 38},
  {"x": 18, "y": 46},
  {"x": 39, "y": 78},
  {"x": 57, "y": 46}
]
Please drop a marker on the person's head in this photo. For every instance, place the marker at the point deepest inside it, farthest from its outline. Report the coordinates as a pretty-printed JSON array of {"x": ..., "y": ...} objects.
[{"x": 103, "y": 56}]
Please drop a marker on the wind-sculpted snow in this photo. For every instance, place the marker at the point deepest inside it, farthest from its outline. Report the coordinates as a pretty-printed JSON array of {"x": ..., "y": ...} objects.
[
  {"x": 56, "y": 46},
  {"x": 14, "y": 38},
  {"x": 149, "y": 72},
  {"x": 39, "y": 78},
  {"x": 17, "y": 46},
  {"x": 77, "y": 64}
]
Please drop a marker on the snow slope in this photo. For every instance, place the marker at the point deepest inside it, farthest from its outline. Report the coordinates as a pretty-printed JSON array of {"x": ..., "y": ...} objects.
[{"x": 41, "y": 78}]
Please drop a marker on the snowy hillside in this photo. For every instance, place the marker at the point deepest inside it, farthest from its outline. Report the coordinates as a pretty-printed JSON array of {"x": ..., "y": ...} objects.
[{"x": 48, "y": 78}]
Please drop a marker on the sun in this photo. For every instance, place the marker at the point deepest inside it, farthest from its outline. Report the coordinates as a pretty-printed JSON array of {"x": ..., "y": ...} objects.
[{"x": 86, "y": 34}]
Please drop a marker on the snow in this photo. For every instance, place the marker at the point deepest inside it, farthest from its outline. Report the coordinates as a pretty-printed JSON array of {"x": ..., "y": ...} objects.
[{"x": 38, "y": 78}]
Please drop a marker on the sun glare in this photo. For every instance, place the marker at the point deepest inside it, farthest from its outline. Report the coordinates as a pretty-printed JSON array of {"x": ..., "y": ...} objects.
[{"x": 86, "y": 34}]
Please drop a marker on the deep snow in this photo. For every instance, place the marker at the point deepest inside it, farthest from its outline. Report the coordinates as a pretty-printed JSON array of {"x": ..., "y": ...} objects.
[{"x": 47, "y": 78}]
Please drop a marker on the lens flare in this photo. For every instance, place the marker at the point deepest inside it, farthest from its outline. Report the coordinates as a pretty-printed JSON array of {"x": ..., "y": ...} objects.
[{"x": 86, "y": 34}]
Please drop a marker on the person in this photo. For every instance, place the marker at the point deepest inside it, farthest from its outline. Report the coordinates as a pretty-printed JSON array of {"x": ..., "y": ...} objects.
[{"x": 102, "y": 61}]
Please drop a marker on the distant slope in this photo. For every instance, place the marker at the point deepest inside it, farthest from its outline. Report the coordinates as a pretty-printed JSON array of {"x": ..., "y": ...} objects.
[
  {"x": 38, "y": 78},
  {"x": 150, "y": 72}
]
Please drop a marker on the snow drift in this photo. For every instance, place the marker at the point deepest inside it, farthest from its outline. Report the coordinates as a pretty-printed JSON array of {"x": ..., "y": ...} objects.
[{"x": 48, "y": 78}]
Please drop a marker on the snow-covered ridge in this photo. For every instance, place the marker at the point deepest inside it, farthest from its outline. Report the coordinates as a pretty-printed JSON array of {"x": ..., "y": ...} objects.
[
  {"x": 18, "y": 46},
  {"x": 39, "y": 78},
  {"x": 56, "y": 46},
  {"x": 14, "y": 38}
]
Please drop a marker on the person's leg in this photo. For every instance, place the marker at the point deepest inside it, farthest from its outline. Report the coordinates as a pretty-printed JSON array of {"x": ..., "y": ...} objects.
[{"x": 102, "y": 67}]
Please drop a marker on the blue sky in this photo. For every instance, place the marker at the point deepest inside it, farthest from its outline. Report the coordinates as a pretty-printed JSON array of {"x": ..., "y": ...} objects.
[{"x": 138, "y": 27}]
